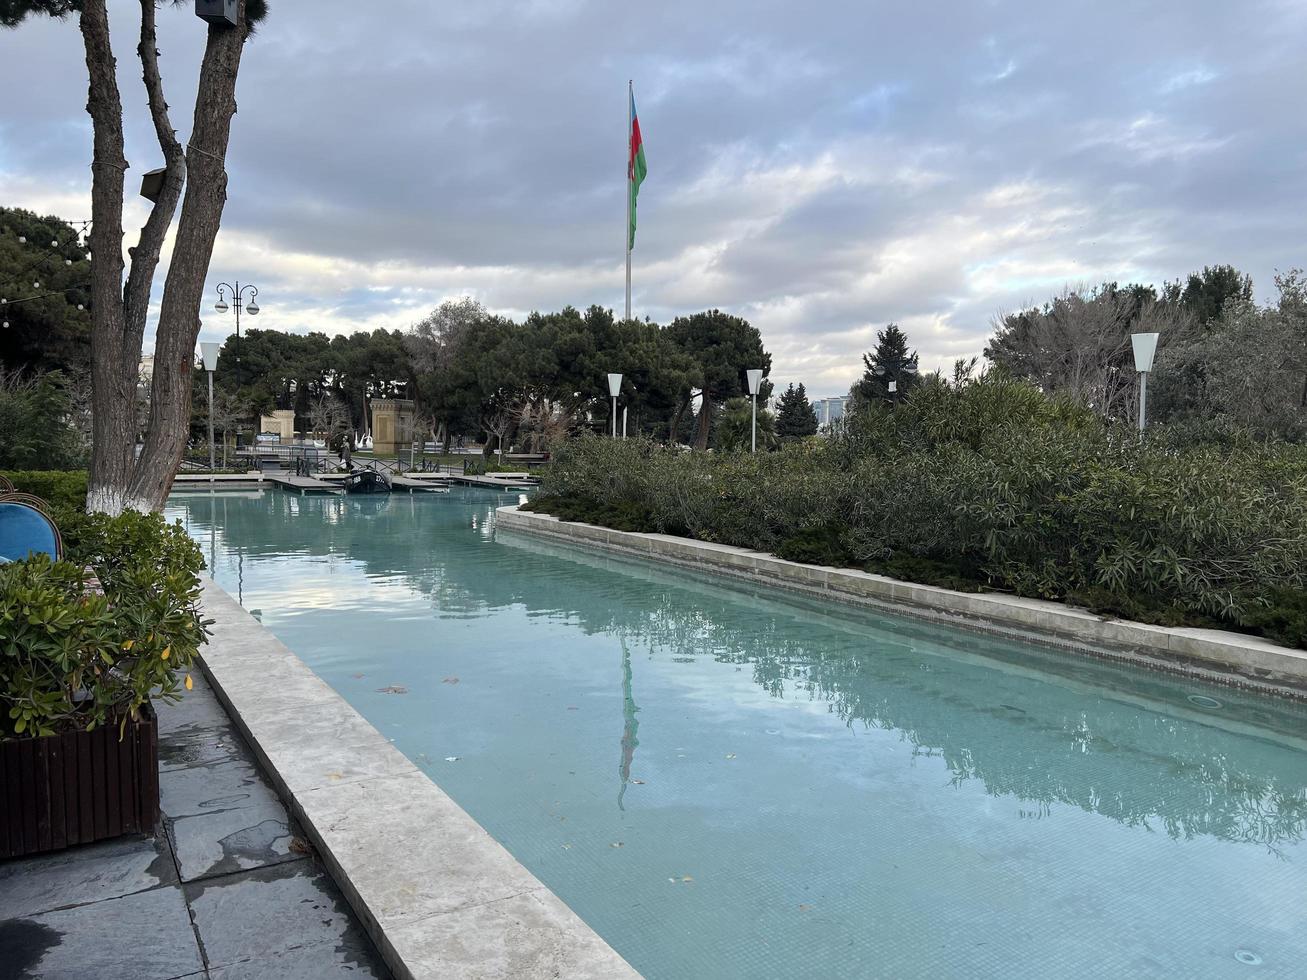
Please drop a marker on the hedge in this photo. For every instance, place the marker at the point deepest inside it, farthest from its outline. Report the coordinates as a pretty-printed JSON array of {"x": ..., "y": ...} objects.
[
  {"x": 990, "y": 486},
  {"x": 62, "y": 488}
]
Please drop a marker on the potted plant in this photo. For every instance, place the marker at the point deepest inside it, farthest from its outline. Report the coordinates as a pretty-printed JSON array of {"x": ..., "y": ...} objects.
[{"x": 85, "y": 644}]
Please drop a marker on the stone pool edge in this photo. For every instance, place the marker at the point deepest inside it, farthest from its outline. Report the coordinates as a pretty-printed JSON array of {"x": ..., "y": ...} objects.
[
  {"x": 439, "y": 896},
  {"x": 1213, "y": 655}
]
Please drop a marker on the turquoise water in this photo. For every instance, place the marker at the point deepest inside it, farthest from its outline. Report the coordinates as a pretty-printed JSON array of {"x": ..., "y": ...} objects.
[{"x": 724, "y": 784}]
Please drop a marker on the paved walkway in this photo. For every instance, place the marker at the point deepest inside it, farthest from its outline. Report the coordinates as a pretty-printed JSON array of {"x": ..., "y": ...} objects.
[{"x": 229, "y": 892}]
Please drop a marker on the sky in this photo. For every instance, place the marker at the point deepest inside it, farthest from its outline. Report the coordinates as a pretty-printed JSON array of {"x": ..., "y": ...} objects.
[{"x": 819, "y": 168}]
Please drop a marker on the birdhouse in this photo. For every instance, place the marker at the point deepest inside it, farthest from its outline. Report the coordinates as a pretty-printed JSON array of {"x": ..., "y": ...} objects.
[
  {"x": 152, "y": 184},
  {"x": 217, "y": 11}
]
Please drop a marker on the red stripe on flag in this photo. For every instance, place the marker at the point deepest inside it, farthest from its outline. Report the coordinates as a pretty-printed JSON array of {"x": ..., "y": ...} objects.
[{"x": 635, "y": 147}]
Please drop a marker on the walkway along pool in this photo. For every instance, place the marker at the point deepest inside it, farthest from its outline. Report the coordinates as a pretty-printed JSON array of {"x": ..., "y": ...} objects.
[{"x": 725, "y": 783}]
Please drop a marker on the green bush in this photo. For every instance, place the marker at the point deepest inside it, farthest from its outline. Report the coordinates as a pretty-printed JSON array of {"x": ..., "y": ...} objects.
[
  {"x": 990, "y": 485},
  {"x": 61, "y": 488},
  {"x": 70, "y": 659}
]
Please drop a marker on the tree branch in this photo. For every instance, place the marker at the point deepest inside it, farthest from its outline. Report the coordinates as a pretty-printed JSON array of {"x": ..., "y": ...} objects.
[{"x": 145, "y": 257}]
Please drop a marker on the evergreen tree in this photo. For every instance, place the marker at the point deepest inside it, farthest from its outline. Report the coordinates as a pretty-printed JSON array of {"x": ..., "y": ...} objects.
[
  {"x": 795, "y": 416},
  {"x": 891, "y": 361}
]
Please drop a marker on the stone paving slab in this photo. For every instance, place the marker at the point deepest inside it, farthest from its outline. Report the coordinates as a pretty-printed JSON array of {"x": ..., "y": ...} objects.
[
  {"x": 208, "y": 896},
  {"x": 1217, "y": 655},
  {"x": 145, "y": 936},
  {"x": 82, "y": 875},
  {"x": 224, "y": 841},
  {"x": 439, "y": 895},
  {"x": 232, "y": 914}
]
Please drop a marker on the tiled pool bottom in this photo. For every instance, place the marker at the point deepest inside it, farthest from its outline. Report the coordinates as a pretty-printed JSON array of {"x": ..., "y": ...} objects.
[{"x": 726, "y": 785}]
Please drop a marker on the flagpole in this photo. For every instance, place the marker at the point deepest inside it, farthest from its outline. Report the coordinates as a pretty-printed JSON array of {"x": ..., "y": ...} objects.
[{"x": 630, "y": 98}]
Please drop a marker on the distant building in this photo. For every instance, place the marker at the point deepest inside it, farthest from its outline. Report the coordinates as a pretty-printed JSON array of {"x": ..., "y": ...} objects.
[
  {"x": 829, "y": 409},
  {"x": 147, "y": 369}
]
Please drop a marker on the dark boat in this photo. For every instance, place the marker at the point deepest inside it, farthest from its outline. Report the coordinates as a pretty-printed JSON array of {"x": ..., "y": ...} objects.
[{"x": 366, "y": 481}]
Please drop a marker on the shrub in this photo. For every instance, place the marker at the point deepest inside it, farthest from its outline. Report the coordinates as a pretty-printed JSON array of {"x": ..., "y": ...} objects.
[
  {"x": 70, "y": 659},
  {"x": 36, "y": 430},
  {"x": 62, "y": 488},
  {"x": 991, "y": 485}
]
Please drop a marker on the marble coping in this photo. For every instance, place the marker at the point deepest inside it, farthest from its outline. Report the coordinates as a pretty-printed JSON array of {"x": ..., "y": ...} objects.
[
  {"x": 439, "y": 896},
  {"x": 1218, "y": 655}
]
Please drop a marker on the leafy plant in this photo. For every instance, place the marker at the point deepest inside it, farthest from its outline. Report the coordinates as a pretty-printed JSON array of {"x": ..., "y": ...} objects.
[
  {"x": 60, "y": 488},
  {"x": 73, "y": 659},
  {"x": 989, "y": 484}
]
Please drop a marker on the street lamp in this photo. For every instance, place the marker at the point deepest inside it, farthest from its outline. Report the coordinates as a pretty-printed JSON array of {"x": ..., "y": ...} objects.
[
  {"x": 892, "y": 384},
  {"x": 237, "y": 295},
  {"x": 614, "y": 389},
  {"x": 755, "y": 379},
  {"x": 1145, "y": 346},
  {"x": 209, "y": 350}
]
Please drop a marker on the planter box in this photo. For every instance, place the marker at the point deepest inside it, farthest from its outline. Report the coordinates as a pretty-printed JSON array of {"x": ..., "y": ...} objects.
[{"x": 78, "y": 787}]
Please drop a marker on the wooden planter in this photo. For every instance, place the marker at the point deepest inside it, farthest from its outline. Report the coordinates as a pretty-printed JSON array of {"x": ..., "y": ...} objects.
[{"x": 78, "y": 787}]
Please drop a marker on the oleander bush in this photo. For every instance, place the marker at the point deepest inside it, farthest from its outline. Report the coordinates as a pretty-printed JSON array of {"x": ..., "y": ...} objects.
[
  {"x": 995, "y": 486},
  {"x": 71, "y": 658}
]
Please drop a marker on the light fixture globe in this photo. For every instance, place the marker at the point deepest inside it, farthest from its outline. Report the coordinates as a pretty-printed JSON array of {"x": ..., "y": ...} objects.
[
  {"x": 614, "y": 385},
  {"x": 754, "y": 377},
  {"x": 253, "y": 308},
  {"x": 221, "y": 306}
]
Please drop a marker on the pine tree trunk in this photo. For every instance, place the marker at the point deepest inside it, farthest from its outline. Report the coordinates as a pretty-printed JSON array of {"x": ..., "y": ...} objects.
[
  {"x": 179, "y": 321},
  {"x": 113, "y": 389},
  {"x": 705, "y": 423}
]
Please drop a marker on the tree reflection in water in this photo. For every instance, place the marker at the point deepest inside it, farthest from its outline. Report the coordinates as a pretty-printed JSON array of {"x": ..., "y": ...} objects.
[{"x": 1043, "y": 726}]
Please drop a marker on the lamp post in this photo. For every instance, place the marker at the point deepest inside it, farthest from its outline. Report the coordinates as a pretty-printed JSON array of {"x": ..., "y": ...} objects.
[
  {"x": 209, "y": 350},
  {"x": 1145, "y": 346},
  {"x": 614, "y": 389},
  {"x": 237, "y": 301},
  {"x": 754, "y": 377},
  {"x": 892, "y": 383}
]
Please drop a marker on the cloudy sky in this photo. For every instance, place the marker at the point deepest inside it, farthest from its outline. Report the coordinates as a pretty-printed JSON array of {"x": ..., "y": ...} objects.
[{"x": 820, "y": 168}]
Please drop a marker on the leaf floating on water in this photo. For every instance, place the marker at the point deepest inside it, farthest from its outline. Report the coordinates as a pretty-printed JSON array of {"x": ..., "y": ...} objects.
[
  {"x": 686, "y": 878},
  {"x": 452, "y": 758},
  {"x": 567, "y": 847},
  {"x": 392, "y": 689},
  {"x": 450, "y": 680}
]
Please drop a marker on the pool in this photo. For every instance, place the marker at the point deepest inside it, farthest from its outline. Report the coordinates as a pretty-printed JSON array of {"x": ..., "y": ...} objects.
[{"x": 726, "y": 782}]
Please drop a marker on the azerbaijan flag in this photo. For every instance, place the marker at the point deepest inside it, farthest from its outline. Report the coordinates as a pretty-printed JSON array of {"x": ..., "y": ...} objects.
[{"x": 636, "y": 168}]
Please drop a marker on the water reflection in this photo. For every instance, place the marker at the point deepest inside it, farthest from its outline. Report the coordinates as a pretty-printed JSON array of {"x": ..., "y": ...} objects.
[
  {"x": 1044, "y": 727},
  {"x": 630, "y": 725}
]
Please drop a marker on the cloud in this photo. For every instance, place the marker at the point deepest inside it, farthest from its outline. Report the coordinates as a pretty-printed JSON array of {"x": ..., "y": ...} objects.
[{"x": 822, "y": 170}]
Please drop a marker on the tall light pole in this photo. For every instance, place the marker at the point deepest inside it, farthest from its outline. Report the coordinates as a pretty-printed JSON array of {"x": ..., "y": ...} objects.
[
  {"x": 614, "y": 389},
  {"x": 1145, "y": 346},
  {"x": 209, "y": 350},
  {"x": 754, "y": 377},
  {"x": 237, "y": 301}
]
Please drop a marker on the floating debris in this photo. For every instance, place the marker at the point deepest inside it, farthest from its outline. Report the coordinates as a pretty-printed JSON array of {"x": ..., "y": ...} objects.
[
  {"x": 730, "y": 755},
  {"x": 392, "y": 689},
  {"x": 450, "y": 680},
  {"x": 452, "y": 758},
  {"x": 616, "y": 843}
]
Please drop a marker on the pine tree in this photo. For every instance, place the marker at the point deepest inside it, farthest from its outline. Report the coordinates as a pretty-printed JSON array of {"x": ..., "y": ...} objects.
[
  {"x": 795, "y": 416},
  {"x": 890, "y": 361}
]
